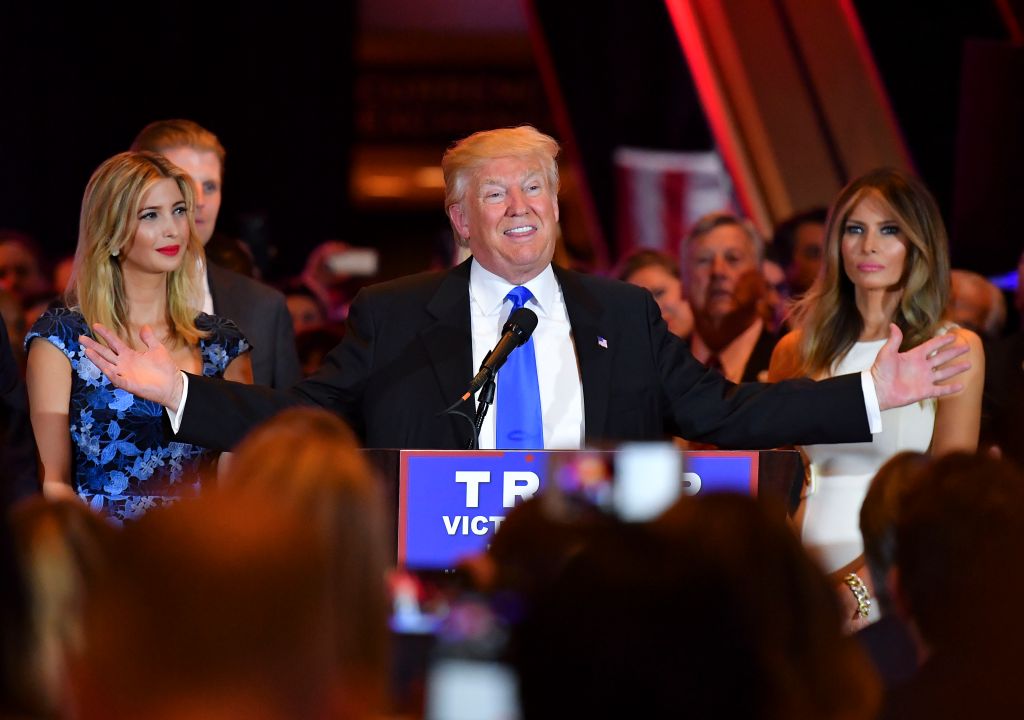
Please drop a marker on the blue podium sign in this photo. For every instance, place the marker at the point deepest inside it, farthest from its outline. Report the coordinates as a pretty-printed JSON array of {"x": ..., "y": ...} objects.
[{"x": 451, "y": 503}]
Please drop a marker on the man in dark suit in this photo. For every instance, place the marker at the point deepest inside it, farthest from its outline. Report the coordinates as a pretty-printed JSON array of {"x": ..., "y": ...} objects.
[
  {"x": 259, "y": 310},
  {"x": 607, "y": 367}
]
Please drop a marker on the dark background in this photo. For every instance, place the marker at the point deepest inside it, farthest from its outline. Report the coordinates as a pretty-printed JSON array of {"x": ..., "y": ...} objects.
[
  {"x": 278, "y": 84},
  {"x": 274, "y": 83}
]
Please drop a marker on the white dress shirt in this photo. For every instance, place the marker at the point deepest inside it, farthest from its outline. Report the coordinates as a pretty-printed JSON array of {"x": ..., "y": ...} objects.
[
  {"x": 734, "y": 356},
  {"x": 558, "y": 373},
  {"x": 206, "y": 301}
]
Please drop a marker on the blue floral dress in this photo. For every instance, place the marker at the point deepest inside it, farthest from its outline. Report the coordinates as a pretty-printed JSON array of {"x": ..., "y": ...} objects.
[{"x": 123, "y": 465}]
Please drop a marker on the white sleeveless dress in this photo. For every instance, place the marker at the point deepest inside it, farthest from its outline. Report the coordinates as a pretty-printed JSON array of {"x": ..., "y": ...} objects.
[{"x": 840, "y": 473}]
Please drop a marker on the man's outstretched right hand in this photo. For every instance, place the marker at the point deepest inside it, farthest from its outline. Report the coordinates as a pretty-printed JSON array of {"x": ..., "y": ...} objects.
[{"x": 150, "y": 374}]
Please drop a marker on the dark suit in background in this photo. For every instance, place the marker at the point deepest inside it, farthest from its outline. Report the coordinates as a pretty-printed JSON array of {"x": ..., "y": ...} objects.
[
  {"x": 760, "y": 356},
  {"x": 260, "y": 311},
  {"x": 19, "y": 469},
  {"x": 1002, "y": 416},
  {"x": 407, "y": 355}
]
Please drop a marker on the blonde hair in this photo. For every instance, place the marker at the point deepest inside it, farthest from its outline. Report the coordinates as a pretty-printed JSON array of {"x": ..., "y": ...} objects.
[
  {"x": 308, "y": 460},
  {"x": 466, "y": 156},
  {"x": 827, "y": 315},
  {"x": 106, "y": 232},
  {"x": 164, "y": 135}
]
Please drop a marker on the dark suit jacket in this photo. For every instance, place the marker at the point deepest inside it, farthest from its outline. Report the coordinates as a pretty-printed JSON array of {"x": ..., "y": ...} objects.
[
  {"x": 19, "y": 476},
  {"x": 407, "y": 355},
  {"x": 1003, "y": 401},
  {"x": 761, "y": 356},
  {"x": 262, "y": 314}
]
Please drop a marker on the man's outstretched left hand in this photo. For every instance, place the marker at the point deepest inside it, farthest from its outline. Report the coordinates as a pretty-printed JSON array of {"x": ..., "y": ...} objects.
[{"x": 919, "y": 373}]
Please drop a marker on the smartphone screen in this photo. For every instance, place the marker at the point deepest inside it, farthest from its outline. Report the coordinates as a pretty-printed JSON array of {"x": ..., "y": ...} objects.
[
  {"x": 459, "y": 689},
  {"x": 362, "y": 262},
  {"x": 648, "y": 480},
  {"x": 467, "y": 678},
  {"x": 635, "y": 483}
]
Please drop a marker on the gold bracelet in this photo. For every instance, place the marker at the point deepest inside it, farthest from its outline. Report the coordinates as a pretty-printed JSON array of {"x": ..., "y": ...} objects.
[{"x": 860, "y": 592}]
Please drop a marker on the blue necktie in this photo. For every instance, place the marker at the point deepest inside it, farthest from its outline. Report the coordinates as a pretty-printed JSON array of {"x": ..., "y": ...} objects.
[{"x": 519, "y": 424}]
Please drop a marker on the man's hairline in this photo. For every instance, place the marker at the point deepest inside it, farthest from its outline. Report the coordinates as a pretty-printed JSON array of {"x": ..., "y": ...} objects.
[
  {"x": 755, "y": 245},
  {"x": 196, "y": 148}
]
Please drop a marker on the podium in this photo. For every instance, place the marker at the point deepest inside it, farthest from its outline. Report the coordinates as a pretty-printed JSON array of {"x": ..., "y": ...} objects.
[{"x": 443, "y": 504}]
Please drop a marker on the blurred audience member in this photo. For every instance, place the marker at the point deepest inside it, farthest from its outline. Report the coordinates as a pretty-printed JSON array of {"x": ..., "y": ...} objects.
[
  {"x": 62, "y": 275},
  {"x": 713, "y": 610},
  {"x": 305, "y": 308},
  {"x": 258, "y": 309},
  {"x": 307, "y": 462},
  {"x": 315, "y": 343},
  {"x": 232, "y": 254},
  {"x": 1019, "y": 299},
  {"x": 334, "y": 272},
  {"x": 959, "y": 540},
  {"x": 17, "y": 684},
  {"x": 535, "y": 541},
  {"x": 1003, "y": 403},
  {"x": 976, "y": 304},
  {"x": 888, "y": 641},
  {"x": 63, "y": 546},
  {"x": 21, "y": 272},
  {"x": 659, "y": 272},
  {"x": 214, "y": 608},
  {"x": 776, "y": 294},
  {"x": 19, "y": 469},
  {"x": 800, "y": 243},
  {"x": 721, "y": 261},
  {"x": 14, "y": 326}
]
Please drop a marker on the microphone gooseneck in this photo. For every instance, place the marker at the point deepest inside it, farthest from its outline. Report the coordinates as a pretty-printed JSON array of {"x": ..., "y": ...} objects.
[{"x": 516, "y": 331}]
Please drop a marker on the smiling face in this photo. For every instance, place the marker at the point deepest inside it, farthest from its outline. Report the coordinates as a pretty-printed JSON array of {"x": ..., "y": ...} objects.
[
  {"x": 873, "y": 246},
  {"x": 162, "y": 234},
  {"x": 509, "y": 218},
  {"x": 204, "y": 168}
]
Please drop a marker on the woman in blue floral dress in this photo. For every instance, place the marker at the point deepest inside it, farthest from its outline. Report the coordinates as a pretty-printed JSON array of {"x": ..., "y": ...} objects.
[{"x": 136, "y": 267}]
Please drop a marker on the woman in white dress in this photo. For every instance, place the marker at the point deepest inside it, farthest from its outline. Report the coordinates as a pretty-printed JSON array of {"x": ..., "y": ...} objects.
[{"x": 886, "y": 261}]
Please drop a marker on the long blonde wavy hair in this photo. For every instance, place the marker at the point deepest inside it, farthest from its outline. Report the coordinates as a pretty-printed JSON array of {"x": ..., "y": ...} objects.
[
  {"x": 827, "y": 315},
  {"x": 106, "y": 232}
]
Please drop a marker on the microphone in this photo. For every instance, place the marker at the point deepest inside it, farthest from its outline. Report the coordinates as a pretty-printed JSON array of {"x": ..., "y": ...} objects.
[{"x": 521, "y": 324}]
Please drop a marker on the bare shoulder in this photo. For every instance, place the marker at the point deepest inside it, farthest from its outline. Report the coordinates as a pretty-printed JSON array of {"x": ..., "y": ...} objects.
[
  {"x": 970, "y": 337},
  {"x": 43, "y": 353},
  {"x": 48, "y": 378},
  {"x": 973, "y": 378},
  {"x": 785, "y": 362},
  {"x": 976, "y": 350}
]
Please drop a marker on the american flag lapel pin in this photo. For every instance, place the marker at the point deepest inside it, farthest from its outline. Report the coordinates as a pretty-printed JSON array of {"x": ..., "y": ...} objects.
[{"x": 602, "y": 342}]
